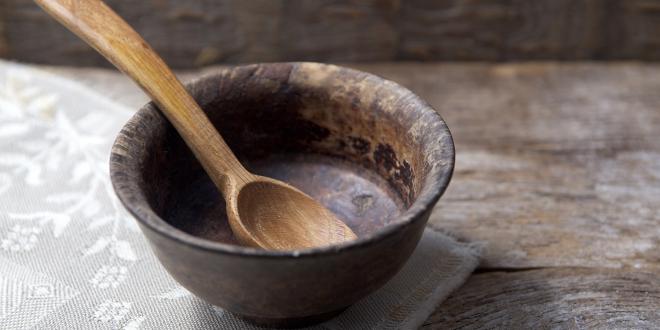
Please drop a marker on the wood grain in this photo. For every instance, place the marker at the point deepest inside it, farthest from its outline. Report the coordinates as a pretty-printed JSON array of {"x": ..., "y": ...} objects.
[
  {"x": 557, "y": 167},
  {"x": 571, "y": 149},
  {"x": 560, "y": 298},
  {"x": 4, "y": 44},
  {"x": 557, "y": 164},
  {"x": 196, "y": 33}
]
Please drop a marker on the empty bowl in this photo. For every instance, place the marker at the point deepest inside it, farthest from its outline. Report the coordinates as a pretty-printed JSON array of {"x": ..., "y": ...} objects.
[{"x": 368, "y": 149}]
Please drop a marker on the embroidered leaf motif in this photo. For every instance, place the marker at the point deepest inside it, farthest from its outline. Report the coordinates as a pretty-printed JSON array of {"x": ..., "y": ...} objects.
[
  {"x": 80, "y": 171},
  {"x": 13, "y": 129},
  {"x": 33, "y": 145},
  {"x": 134, "y": 324},
  {"x": 5, "y": 182},
  {"x": 63, "y": 198},
  {"x": 9, "y": 109},
  {"x": 176, "y": 293},
  {"x": 131, "y": 224},
  {"x": 12, "y": 159},
  {"x": 53, "y": 162},
  {"x": 33, "y": 176},
  {"x": 58, "y": 220},
  {"x": 123, "y": 250},
  {"x": 98, "y": 246},
  {"x": 43, "y": 104},
  {"x": 91, "y": 208}
]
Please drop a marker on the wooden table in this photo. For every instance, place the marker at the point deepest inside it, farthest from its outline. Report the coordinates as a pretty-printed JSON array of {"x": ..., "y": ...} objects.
[{"x": 557, "y": 178}]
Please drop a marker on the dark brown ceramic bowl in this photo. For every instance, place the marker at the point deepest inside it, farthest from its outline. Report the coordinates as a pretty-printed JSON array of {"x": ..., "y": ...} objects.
[{"x": 367, "y": 148}]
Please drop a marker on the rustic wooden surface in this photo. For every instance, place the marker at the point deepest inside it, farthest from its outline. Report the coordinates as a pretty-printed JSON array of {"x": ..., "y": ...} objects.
[
  {"x": 557, "y": 298},
  {"x": 202, "y": 32},
  {"x": 557, "y": 177}
]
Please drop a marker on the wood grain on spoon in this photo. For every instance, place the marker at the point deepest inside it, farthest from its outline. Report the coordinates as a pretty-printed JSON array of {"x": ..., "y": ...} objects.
[{"x": 262, "y": 212}]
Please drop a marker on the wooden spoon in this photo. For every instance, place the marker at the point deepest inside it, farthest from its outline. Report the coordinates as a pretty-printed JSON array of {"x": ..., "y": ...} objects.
[{"x": 262, "y": 212}]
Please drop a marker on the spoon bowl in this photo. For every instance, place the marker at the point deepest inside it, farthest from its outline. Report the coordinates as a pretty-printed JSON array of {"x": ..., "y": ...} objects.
[{"x": 270, "y": 213}]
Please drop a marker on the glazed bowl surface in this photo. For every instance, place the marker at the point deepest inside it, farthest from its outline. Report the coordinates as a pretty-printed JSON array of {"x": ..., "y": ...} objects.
[{"x": 368, "y": 149}]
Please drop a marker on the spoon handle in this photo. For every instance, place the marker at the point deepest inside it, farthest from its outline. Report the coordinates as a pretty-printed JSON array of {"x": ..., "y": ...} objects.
[{"x": 110, "y": 35}]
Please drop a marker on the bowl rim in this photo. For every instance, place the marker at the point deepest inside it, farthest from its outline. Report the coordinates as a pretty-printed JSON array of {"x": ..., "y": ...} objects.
[{"x": 437, "y": 182}]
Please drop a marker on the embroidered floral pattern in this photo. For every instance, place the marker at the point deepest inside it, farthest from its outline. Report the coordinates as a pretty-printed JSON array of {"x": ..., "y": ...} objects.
[
  {"x": 20, "y": 238},
  {"x": 54, "y": 182},
  {"x": 109, "y": 311},
  {"x": 109, "y": 276}
]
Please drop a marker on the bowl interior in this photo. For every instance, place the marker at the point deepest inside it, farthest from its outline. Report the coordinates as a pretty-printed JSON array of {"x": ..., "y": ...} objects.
[{"x": 336, "y": 134}]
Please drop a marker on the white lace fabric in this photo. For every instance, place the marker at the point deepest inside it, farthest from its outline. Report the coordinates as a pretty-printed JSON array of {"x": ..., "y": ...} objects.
[{"x": 72, "y": 258}]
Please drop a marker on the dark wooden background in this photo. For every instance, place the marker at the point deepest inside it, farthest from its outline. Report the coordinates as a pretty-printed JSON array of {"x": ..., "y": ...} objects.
[{"x": 202, "y": 32}]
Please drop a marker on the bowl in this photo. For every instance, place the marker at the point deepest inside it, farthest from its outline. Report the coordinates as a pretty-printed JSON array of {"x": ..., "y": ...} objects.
[{"x": 368, "y": 149}]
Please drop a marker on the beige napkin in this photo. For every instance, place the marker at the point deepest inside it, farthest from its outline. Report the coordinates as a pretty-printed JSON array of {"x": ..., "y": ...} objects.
[{"x": 71, "y": 257}]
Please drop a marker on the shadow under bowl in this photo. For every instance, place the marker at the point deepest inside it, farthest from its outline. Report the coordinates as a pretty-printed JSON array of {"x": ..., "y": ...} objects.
[{"x": 368, "y": 149}]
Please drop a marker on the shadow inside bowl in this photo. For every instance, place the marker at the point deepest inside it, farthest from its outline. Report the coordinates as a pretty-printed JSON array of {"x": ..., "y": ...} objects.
[
  {"x": 348, "y": 150},
  {"x": 361, "y": 198}
]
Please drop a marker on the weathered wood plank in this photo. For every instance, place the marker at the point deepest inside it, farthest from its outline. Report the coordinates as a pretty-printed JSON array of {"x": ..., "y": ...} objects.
[
  {"x": 4, "y": 44},
  {"x": 196, "y": 33},
  {"x": 500, "y": 30},
  {"x": 564, "y": 298},
  {"x": 557, "y": 164}
]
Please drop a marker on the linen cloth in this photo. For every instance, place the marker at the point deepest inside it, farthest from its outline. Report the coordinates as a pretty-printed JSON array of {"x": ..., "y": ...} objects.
[{"x": 72, "y": 258}]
